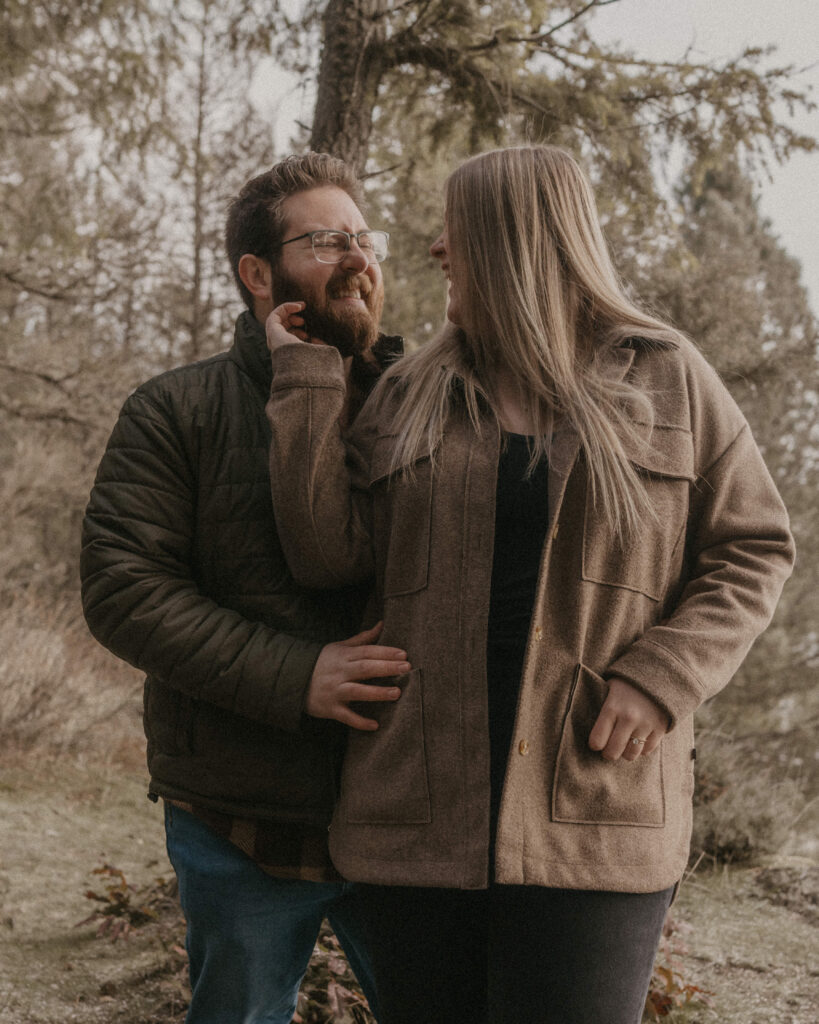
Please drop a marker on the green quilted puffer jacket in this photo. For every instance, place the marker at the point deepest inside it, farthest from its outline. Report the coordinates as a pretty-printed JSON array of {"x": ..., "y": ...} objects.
[{"x": 184, "y": 577}]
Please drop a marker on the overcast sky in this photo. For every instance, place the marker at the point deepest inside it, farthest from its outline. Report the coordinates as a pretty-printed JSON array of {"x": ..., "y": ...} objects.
[{"x": 665, "y": 29}]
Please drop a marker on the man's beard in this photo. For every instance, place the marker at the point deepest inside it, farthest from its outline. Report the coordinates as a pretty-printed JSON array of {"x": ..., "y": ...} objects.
[{"x": 352, "y": 331}]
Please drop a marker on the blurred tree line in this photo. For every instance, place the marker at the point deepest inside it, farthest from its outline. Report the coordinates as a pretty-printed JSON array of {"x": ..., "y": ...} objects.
[{"x": 126, "y": 126}]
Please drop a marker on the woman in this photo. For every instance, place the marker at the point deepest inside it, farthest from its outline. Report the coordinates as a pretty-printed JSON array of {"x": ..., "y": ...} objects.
[{"x": 574, "y": 537}]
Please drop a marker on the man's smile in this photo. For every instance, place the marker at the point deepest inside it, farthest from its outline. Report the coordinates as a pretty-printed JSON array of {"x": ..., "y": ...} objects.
[{"x": 350, "y": 291}]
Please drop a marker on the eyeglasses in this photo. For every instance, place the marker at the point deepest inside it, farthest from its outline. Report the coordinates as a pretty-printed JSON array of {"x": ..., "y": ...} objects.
[{"x": 333, "y": 246}]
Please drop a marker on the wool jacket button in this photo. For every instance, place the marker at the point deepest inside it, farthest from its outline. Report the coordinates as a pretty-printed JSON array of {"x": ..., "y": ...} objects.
[
  {"x": 523, "y": 747},
  {"x": 538, "y": 633}
]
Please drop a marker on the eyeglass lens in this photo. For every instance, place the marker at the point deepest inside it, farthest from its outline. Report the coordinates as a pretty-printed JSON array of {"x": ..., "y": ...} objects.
[{"x": 331, "y": 246}]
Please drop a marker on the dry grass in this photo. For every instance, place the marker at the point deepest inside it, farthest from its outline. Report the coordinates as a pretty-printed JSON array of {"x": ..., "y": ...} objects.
[
  {"x": 62, "y": 692},
  {"x": 743, "y": 816},
  {"x": 755, "y": 797}
]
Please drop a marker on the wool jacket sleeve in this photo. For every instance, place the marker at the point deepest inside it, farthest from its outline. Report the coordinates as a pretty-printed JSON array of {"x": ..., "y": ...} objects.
[
  {"x": 319, "y": 480},
  {"x": 140, "y": 596},
  {"x": 740, "y": 552}
]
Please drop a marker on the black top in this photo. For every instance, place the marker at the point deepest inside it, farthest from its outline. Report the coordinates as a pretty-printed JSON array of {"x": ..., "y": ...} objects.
[{"x": 520, "y": 530}]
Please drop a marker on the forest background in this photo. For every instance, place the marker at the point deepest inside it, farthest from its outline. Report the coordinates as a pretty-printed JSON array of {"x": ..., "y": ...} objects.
[{"x": 125, "y": 127}]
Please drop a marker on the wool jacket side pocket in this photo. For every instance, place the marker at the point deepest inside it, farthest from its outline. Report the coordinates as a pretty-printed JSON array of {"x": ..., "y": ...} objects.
[
  {"x": 587, "y": 788},
  {"x": 384, "y": 778}
]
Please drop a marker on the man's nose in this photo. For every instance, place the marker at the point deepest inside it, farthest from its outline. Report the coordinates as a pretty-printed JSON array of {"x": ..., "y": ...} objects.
[
  {"x": 355, "y": 260},
  {"x": 437, "y": 248}
]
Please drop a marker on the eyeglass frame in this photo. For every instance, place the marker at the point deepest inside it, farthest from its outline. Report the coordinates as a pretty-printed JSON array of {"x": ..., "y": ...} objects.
[{"x": 350, "y": 236}]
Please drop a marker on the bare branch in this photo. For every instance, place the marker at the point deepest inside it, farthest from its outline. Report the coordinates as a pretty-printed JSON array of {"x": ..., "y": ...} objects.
[
  {"x": 579, "y": 14},
  {"x": 35, "y": 415},
  {"x": 47, "y": 378},
  {"x": 542, "y": 37},
  {"x": 498, "y": 37},
  {"x": 380, "y": 171},
  {"x": 684, "y": 67},
  {"x": 57, "y": 295},
  {"x": 388, "y": 12}
]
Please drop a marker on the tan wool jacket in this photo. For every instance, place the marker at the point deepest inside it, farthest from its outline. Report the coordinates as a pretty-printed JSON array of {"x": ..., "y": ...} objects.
[{"x": 672, "y": 611}]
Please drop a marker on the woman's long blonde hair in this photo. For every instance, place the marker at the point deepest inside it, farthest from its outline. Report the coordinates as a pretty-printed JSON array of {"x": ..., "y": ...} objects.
[{"x": 541, "y": 301}]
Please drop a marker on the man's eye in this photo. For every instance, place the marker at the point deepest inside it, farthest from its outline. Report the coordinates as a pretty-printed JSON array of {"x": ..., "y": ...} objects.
[
  {"x": 337, "y": 243},
  {"x": 366, "y": 242}
]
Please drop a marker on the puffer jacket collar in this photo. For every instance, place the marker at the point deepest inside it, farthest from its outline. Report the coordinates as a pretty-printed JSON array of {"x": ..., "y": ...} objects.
[{"x": 249, "y": 351}]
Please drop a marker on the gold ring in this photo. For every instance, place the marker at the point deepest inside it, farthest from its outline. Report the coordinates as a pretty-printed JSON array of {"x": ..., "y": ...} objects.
[{"x": 636, "y": 742}]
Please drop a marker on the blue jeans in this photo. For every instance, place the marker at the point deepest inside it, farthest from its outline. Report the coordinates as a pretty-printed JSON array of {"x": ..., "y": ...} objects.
[{"x": 250, "y": 936}]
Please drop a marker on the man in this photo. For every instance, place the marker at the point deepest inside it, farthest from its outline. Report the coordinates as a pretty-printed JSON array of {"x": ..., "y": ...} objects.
[{"x": 183, "y": 576}]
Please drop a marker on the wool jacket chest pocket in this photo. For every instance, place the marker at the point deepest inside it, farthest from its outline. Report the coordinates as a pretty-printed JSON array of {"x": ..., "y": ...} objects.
[
  {"x": 402, "y": 518},
  {"x": 642, "y": 562}
]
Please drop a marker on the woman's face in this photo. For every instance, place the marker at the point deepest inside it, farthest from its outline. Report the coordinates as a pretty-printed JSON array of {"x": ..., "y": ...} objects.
[{"x": 441, "y": 250}]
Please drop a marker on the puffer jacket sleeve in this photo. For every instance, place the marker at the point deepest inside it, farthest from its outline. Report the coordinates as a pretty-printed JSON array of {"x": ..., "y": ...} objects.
[
  {"x": 139, "y": 594},
  {"x": 740, "y": 553},
  {"x": 319, "y": 480}
]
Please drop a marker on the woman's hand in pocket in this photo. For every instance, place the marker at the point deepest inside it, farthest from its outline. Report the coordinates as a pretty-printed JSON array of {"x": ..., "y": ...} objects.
[{"x": 627, "y": 715}]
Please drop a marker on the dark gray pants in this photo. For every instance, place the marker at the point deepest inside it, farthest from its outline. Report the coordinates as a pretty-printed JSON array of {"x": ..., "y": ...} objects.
[{"x": 512, "y": 954}]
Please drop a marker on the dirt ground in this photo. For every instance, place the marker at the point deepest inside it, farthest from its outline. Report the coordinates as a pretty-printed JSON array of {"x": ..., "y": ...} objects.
[
  {"x": 749, "y": 936},
  {"x": 60, "y": 822}
]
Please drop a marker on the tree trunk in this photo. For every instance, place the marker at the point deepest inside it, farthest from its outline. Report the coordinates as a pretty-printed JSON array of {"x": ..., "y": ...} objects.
[
  {"x": 350, "y": 74},
  {"x": 195, "y": 343}
]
